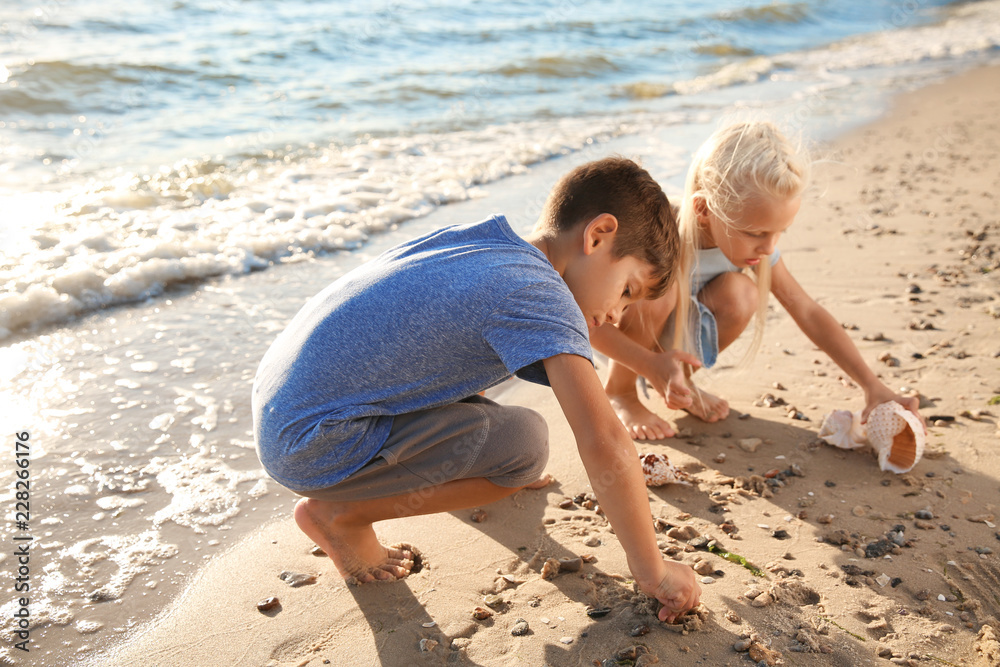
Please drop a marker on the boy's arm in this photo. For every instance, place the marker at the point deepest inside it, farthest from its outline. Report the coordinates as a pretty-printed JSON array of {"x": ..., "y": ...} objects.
[
  {"x": 825, "y": 331},
  {"x": 615, "y": 474}
]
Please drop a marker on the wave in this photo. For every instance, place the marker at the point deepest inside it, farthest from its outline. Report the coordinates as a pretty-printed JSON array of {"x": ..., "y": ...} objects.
[
  {"x": 137, "y": 236},
  {"x": 775, "y": 12},
  {"x": 560, "y": 67}
]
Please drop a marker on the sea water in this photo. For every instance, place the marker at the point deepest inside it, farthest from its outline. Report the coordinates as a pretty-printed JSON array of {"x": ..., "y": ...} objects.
[{"x": 177, "y": 179}]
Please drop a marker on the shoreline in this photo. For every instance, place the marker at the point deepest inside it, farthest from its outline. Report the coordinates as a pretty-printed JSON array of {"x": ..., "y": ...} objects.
[{"x": 871, "y": 228}]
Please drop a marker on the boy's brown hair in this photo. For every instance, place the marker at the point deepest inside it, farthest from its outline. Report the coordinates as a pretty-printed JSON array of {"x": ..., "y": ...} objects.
[{"x": 616, "y": 185}]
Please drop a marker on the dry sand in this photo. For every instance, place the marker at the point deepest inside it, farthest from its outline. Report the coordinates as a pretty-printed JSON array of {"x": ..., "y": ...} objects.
[{"x": 900, "y": 238}]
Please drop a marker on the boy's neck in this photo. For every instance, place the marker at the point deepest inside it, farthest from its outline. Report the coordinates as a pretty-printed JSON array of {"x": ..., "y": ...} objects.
[{"x": 554, "y": 246}]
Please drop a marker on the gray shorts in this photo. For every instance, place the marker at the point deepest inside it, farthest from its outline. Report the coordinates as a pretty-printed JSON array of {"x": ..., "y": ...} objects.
[{"x": 476, "y": 437}]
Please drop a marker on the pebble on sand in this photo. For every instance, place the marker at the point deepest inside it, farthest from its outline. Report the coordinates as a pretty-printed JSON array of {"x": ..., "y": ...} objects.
[
  {"x": 296, "y": 579},
  {"x": 267, "y": 604},
  {"x": 478, "y": 516},
  {"x": 520, "y": 628},
  {"x": 750, "y": 445}
]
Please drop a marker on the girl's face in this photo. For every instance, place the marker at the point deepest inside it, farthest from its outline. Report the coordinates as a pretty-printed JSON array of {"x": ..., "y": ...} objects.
[{"x": 754, "y": 232}]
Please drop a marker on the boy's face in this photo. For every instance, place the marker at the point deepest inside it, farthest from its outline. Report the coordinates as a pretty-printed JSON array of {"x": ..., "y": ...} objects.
[{"x": 604, "y": 285}]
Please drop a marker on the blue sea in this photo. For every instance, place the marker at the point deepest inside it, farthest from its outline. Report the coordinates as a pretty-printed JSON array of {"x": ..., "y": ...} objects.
[
  {"x": 177, "y": 177},
  {"x": 144, "y": 143}
]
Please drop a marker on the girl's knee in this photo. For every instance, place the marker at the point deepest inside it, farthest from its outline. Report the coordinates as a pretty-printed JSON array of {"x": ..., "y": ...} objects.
[{"x": 732, "y": 295}]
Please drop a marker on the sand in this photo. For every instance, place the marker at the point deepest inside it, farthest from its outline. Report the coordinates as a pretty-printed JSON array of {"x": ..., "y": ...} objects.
[{"x": 898, "y": 239}]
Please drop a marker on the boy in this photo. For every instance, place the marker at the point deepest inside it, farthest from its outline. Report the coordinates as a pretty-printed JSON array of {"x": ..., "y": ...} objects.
[{"x": 367, "y": 404}]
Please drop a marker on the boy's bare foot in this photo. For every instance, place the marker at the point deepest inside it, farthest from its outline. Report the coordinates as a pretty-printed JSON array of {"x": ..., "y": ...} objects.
[
  {"x": 707, "y": 407},
  {"x": 354, "y": 548},
  {"x": 640, "y": 421}
]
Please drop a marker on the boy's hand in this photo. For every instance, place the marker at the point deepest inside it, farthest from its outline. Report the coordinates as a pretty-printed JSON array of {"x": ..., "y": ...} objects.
[
  {"x": 669, "y": 379},
  {"x": 677, "y": 591}
]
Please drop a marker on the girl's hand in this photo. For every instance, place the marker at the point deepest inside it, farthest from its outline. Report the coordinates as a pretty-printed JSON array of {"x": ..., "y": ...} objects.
[
  {"x": 669, "y": 378},
  {"x": 883, "y": 395},
  {"x": 677, "y": 591}
]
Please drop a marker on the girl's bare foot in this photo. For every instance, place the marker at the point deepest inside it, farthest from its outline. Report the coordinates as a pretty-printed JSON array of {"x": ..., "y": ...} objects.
[
  {"x": 354, "y": 548},
  {"x": 641, "y": 422},
  {"x": 707, "y": 407},
  {"x": 541, "y": 482}
]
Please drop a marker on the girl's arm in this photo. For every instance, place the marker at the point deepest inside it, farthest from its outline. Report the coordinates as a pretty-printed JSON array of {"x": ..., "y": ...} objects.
[
  {"x": 632, "y": 344},
  {"x": 828, "y": 335}
]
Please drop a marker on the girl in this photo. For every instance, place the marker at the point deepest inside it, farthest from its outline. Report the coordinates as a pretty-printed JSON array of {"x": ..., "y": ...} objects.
[{"x": 742, "y": 192}]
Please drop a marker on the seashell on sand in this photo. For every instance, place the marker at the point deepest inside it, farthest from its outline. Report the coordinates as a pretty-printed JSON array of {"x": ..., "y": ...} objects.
[
  {"x": 658, "y": 470},
  {"x": 843, "y": 429},
  {"x": 895, "y": 433}
]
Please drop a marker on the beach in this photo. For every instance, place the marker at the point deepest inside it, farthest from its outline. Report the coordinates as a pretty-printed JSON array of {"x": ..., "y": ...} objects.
[
  {"x": 176, "y": 182},
  {"x": 898, "y": 239}
]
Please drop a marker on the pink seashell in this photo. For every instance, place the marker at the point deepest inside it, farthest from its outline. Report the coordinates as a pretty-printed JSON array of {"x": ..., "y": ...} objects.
[
  {"x": 843, "y": 429},
  {"x": 897, "y": 436},
  {"x": 658, "y": 471}
]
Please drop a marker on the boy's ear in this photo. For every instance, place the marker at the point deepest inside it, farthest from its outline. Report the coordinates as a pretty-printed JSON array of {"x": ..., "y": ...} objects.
[{"x": 600, "y": 230}]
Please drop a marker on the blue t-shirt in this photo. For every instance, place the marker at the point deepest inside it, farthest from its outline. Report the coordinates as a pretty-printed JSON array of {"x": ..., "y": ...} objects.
[{"x": 428, "y": 323}]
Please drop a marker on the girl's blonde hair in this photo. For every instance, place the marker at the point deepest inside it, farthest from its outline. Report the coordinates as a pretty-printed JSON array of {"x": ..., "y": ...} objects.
[{"x": 737, "y": 163}]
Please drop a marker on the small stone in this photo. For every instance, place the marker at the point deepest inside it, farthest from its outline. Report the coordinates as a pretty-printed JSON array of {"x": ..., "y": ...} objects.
[
  {"x": 925, "y": 514},
  {"x": 567, "y": 504},
  {"x": 733, "y": 617},
  {"x": 720, "y": 457},
  {"x": 599, "y": 612},
  {"x": 683, "y": 533},
  {"x": 566, "y": 640},
  {"x": 742, "y": 645},
  {"x": 762, "y": 600},
  {"x": 760, "y": 653},
  {"x": 567, "y": 564},
  {"x": 427, "y": 645},
  {"x": 267, "y": 604},
  {"x": 882, "y": 579},
  {"x": 592, "y": 541},
  {"x": 829, "y": 484},
  {"x": 825, "y": 519},
  {"x": 481, "y": 614},
  {"x": 296, "y": 579},
  {"x": 317, "y": 551},
  {"x": 750, "y": 445},
  {"x": 639, "y": 631},
  {"x": 520, "y": 628},
  {"x": 493, "y": 600},
  {"x": 780, "y": 534},
  {"x": 704, "y": 567},
  {"x": 550, "y": 569},
  {"x": 478, "y": 516}
]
